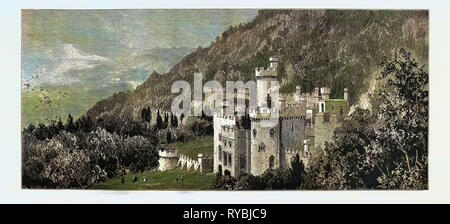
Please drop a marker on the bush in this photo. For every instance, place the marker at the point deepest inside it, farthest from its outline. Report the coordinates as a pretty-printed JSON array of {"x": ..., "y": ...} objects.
[{"x": 71, "y": 161}]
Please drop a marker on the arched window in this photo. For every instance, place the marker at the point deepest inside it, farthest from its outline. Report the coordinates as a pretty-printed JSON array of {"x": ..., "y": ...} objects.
[
  {"x": 271, "y": 161},
  {"x": 269, "y": 101},
  {"x": 272, "y": 133},
  {"x": 254, "y": 133},
  {"x": 220, "y": 136},
  {"x": 262, "y": 147},
  {"x": 220, "y": 169},
  {"x": 220, "y": 153}
]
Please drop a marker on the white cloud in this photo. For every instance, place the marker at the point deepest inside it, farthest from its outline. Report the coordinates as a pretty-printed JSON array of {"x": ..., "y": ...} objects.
[{"x": 69, "y": 59}]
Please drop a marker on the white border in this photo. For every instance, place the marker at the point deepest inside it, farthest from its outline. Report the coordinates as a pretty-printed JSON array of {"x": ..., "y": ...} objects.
[{"x": 10, "y": 150}]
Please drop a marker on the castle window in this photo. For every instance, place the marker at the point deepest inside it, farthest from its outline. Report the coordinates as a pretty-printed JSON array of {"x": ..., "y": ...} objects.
[
  {"x": 242, "y": 162},
  {"x": 220, "y": 153},
  {"x": 220, "y": 136},
  {"x": 225, "y": 159},
  {"x": 272, "y": 133},
  {"x": 292, "y": 127},
  {"x": 254, "y": 133},
  {"x": 262, "y": 148},
  {"x": 269, "y": 101},
  {"x": 271, "y": 162},
  {"x": 229, "y": 160}
]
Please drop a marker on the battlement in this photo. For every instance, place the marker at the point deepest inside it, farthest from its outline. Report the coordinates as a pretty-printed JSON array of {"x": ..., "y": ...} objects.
[
  {"x": 168, "y": 153},
  {"x": 326, "y": 118},
  {"x": 261, "y": 72},
  {"x": 223, "y": 116}
]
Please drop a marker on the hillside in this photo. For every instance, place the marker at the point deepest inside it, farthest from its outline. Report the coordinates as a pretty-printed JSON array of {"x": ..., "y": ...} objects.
[{"x": 335, "y": 48}]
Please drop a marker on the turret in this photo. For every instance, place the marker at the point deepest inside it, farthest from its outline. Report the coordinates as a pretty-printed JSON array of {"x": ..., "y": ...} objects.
[
  {"x": 345, "y": 94},
  {"x": 273, "y": 62},
  {"x": 282, "y": 103},
  {"x": 306, "y": 144},
  {"x": 325, "y": 92}
]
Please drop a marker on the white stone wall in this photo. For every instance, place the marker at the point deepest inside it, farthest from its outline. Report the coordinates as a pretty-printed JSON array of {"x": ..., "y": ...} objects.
[
  {"x": 218, "y": 122},
  {"x": 167, "y": 160}
]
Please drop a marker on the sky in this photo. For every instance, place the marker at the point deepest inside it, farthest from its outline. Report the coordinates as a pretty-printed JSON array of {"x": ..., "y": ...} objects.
[{"x": 91, "y": 54}]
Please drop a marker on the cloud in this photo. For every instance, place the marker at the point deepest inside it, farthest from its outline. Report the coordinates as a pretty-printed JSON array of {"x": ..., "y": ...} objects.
[{"x": 65, "y": 61}]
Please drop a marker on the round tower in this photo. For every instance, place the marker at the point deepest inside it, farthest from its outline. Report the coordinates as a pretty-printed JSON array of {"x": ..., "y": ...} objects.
[{"x": 264, "y": 77}]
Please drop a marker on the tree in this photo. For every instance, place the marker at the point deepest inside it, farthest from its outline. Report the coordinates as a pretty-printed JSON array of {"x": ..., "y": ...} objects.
[
  {"x": 146, "y": 114},
  {"x": 70, "y": 127},
  {"x": 159, "y": 121},
  {"x": 346, "y": 163},
  {"x": 386, "y": 148},
  {"x": 169, "y": 137},
  {"x": 166, "y": 120},
  {"x": 403, "y": 138},
  {"x": 297, "y": 171},
  {"x": 174, "y": 121}
]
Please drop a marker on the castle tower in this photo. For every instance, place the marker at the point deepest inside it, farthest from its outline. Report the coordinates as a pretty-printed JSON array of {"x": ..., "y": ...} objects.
[
  {"x": 325, "y": 93},
  {"x": 273, "y": 62},
  {"x": 264, "y": 79}
]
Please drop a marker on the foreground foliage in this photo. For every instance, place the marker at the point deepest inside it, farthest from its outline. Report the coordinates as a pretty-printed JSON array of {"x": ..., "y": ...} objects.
[{"x": 385, "y": 148}]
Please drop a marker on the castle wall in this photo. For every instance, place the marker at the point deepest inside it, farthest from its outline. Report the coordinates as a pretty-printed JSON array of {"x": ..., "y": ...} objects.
[
  {"x": 218, "y": 122},
  {"x": 168, "y": 159},
  {"x": 292, "y": 136},
  {"x": 260, "y": 156},
  {"x": 187, "y": 163},
  {"x": 325, "y": 125},
  {"x": 240, "y": 153}
]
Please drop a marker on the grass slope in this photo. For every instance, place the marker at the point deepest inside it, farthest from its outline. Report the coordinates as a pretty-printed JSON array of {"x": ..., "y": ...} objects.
[
  {"x": 204, "y": 145},
  {"x": 156, "y": 180}
]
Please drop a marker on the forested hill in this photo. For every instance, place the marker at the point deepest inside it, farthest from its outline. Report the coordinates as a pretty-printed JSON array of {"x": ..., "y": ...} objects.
[{"x": 335, "y": 48}]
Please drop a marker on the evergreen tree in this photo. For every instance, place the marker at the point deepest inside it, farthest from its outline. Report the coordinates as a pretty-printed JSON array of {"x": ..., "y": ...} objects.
[
  {"x": 169, "y": 137},
  {"x": 70, "y": 127},
  {"x": 174, "y": 121},
  {"x": 159, "y": 121},
  {"x": 166, "y": 120}
]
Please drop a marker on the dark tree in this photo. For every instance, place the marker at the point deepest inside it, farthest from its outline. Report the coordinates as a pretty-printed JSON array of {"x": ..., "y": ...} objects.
[
  {"x": 146, "y": 114},
  {"x": 297, "y": 171},
  {"x": 166, "y": 120},
  {"x": 169, "y": 137},
  {"x": 159, "y": 121},
  {"x": 403, "y": 138},
  {"x": 70, "y": 127},
  {"x": 174, "y": 121}
]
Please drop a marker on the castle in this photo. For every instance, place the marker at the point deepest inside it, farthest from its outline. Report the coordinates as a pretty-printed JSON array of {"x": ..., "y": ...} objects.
[{"x": 304, "y": 121}]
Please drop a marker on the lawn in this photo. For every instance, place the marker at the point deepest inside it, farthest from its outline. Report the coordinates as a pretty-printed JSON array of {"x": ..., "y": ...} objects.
[
  {"x": 157, "y": 180},
  {"x": 204, "y": 145},
  {"x": 166, "y": 180}
]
